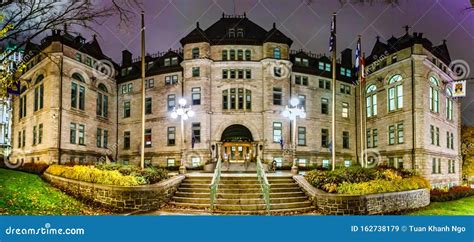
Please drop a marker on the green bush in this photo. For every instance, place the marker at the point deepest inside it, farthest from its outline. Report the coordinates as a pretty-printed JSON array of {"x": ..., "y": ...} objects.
[
  {"x": 383, "y": 186},
  {"x": 150, "y": 174},
  {"x": 95, "y": 175}
]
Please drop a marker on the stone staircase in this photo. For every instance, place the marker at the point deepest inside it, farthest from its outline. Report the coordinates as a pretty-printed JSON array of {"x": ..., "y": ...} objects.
[{"x": 241, "y": 194}]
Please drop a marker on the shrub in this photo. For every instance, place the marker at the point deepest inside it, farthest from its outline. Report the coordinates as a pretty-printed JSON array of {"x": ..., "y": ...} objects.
[
  {"x": 449, "y": 194},
  {"x": 30, "y": 167},
  {"x": 94, "y": 175},
  {"x": 383, "y": 186},
  {"x": 152, "y": 175}
]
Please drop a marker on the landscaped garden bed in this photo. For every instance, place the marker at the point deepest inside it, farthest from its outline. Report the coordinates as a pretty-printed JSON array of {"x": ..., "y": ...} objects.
[
  {"x": 110, "y": 174},
  {"x": 361, "y": 181},
  {"x": 443, "y": 194}
]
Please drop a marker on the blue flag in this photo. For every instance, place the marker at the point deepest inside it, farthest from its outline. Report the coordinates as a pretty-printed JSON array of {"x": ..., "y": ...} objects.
[
  {"x": 357, "y": 55},
  {"x": 330, "y": 147},
  {"x": 332, "y": 39},
  {"x": 281, "y": 143}
]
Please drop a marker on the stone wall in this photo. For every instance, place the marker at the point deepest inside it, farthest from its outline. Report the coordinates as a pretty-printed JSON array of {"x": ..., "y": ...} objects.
[
  {"x": 385, "y": 203},
  {"x": 116, "y": 198}
]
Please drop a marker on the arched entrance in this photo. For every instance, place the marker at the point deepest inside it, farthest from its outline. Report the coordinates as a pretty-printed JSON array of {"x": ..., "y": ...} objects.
[{"x": 237, "y": 144}]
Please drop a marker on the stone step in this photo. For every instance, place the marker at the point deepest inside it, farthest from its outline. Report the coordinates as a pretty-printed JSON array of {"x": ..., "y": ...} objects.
[
  {"x": 239, "y": 191},
  {"x": 238, "y": 195},
  {"x": 238, "y": 186},
  {"x": 224, "y": 182},
  {"x": 244, "y": 207},
  {"x": 242, "y": 201}
]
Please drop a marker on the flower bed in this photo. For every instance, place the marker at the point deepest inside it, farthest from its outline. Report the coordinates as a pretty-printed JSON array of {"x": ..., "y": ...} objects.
[
  {"x": 110, "y": 174},
  {"x": 361, "y": 181},
  {"x": 30, "y": 167},
  {"x": 449, "y": 194}
]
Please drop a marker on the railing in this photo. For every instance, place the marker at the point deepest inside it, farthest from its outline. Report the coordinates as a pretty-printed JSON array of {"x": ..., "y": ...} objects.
[
  {"x": 262, "y": 178},
  {"x": 215, "y": 183}
]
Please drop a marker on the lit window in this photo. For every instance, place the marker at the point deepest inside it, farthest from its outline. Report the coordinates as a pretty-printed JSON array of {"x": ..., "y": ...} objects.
[
  {"x": 196, "y": 95},
  {"x": 345, "y": 110},
  {"x": 277, "y": 53},
  {"x": 277, "y": 132},
  {"x": 371, "y": 101},
  {"x": 395, "y": 93}
]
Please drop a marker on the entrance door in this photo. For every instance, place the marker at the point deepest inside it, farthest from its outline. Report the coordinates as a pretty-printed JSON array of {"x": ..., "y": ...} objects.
[{"x": 237, "y": 151}]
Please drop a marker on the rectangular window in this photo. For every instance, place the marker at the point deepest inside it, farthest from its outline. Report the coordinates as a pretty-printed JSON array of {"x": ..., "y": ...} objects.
[
  {"x": 432, "y": 135},
  {"x": 232, "y": 54},
  {"x": 171, "y": 80},
  {"x": 40, "y": 133},
  {"x": 298, "y": 80},
  {"x": 321, "y": 66},
  {"x": 248, "y": 74},
  {"x": 437, "y": 136},
  {"x": 302, "y": 99},
  {"x": 325, "y": 164},
  {"x": 279, "y": 161},
  {"x": 170, "y": 162},
  {"x": 326, "y": 84},
  {"x": 171, "y": 135},
  {"x": 148, "y": 105},
  {"x": 301, "y": 136},
  {"x": 324, "y": 138},
  {"x": 82, "y": 97},
  {"x": 72, "y": 133},
  {"x": 196, "y": 135},
  {"x": 328, "y": 67},
  {"x": 196, "y": 71},
  {"x": 347, "y": 163},
  {"x": 19, "y": 139},
  {"x": 302, "y": 162},
  {"x": 368, "y": 138},
  {"x": 88, "y": 61},
  {"x": 324, "y": 106},
  {"x": 24, "y": 139},
  {"x": 449, "y": 108},
  {"x": 400, "y": 133},
  {"x": 224, "y": 55},
  {"x": 391, "y": 134},
  {"x": 375, "y": 138},
  {"x": 196, "y": 95},
  {"x": 150, "y": 83},
  {"x": 345, "y": 89},
  {"x": 78, "y": 57},
  {"x": 277, "y": 132},
  {"x": 195, "y": 161},
  {"x": 73, "y": 95},
  {"x": 34, "y": 135},
  {"x": 148, "y": 138},
  {"x": 240, "y": 55},
  {"x": 345, "y": 139},
  {"x": 126, "y": 109},
  {"x": 248, "y": 54},
  {"x": 232, "y": 74},
  {"x": 82, "y": 134},
  {"x": 106, "y": 139},
  {"x": 171, "y": 102},
  {"x": 225, "y": 74},
  {"x": 174, "y": 61},
  {"x": 345, "y": 110},
  {"x": 99, "y": 138},
  {"x": 452, "y": 141},
  {"x": 240, "y": 74},
  {"x": 126, "y": 140},
  {"x": 277, "y": 96}
]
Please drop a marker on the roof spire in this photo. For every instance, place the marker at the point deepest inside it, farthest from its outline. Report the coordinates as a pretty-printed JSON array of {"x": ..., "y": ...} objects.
[
  {"x": 378, "y": 38},
  {"x": 406, "y": 27},
  {"x": 197, "y": 24},
  {"x": 274, "y": 25}
]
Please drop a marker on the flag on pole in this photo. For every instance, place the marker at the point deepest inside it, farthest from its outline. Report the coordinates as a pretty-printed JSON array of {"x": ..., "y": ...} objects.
[
  {"x": 358, "y": 56},
  {"x": 330, "y": 147},
  {"x": 362, "y": 69},
  {"x": 332, "y": 39},
  {"x": 281, "y": 143},
  {"x": 193, "y": 140},
  {"x": 15, "y": 89}
]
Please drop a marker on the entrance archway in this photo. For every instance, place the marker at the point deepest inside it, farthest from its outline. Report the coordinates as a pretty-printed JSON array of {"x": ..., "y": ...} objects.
[{"x": 237, "y": 144}]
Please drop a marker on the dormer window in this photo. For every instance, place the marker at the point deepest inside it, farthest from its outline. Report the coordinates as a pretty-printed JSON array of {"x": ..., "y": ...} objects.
[
  {"x": 232, "y": 33},
  {"x": 240, "y": 33},
  {"x": 167, "y": 62},
  {"x": 321, "y": 66},
  {"x": 174, "y": 61},
  {"x": 305, "y": 62},
  {"x": 276, "y": 53},
  {"x": 195, "y": 53}
]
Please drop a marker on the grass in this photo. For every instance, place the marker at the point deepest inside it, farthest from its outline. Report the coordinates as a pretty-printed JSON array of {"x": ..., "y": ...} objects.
[
  {"x": 27, "y": 194},
  {"x": 464, "y": 206}
]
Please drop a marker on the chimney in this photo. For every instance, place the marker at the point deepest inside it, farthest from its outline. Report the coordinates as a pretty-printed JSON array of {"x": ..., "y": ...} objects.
[
  {"x": 126, "y": 58},
  {"x": 346, "y": 57}
]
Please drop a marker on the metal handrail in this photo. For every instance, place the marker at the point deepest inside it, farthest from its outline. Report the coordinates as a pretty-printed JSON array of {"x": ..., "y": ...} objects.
[
  {"x": 262, "y": 178},
  {"x": 215, "y": 183}
]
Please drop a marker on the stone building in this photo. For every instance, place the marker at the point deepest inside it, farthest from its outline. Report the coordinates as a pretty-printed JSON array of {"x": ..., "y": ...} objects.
[{"x": 238, "y": 77}]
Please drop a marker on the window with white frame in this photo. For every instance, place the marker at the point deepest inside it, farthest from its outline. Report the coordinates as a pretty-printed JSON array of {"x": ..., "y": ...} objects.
[
  {"x": 325, "y": 163},
  {"x": 279, "y": 161},
  {"x": 449, "y": 104},
  {"x": 395, "y": 93},
  {"x": 434, "y": 94},
  {"x": 170, "y": 162},
  {"x": 371, "y": 101},
  {"x": 302, "y": 162},
  {"x": 196, "y": 95},
  {"x": 277, "y": 132},
  {"x": 345, "y": 110},
  {"x": 196, "y": 161}
]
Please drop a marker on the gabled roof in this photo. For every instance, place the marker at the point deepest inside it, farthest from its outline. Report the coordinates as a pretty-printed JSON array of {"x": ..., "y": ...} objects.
[{"x": 218, "y": 33}]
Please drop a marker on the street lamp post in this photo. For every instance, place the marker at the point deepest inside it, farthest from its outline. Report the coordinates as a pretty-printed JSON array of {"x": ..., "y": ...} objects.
[
  {"x": 293, "y": 112},
  {"x": 183, "y": 112}
]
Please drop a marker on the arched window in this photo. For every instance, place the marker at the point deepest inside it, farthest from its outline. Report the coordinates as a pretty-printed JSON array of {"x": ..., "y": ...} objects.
[
  {"x": 78, "y": 77},
  {"x": 371, "y": 101},
  {"x": 102, "y": 101},
  {"x": 434, "y": 94},
  {"x": 395, "y": 93},
  {"x": 39, "y": 93},
  {"x": 225, "y": 55},
  {"x": 195, "y": 52},
  {"x": 232, "y": 54},
  {"x": 449, "y": 103},
  {"x": 276, "y": 53},
  {"x": 78, "y": 92}
]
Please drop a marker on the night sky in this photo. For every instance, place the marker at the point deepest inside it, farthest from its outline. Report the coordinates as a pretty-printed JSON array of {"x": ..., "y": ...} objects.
[{"x": 307, "y": 23}]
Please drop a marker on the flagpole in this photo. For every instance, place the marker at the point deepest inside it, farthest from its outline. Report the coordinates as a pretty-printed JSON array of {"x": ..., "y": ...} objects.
[
  {"x": 142, "y": 150},
  {"x": 362, "y": 133},
  {"x": 362, "y": 87},
  {"x": 333, "y": 132}
]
